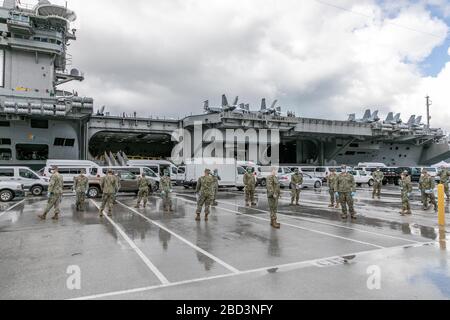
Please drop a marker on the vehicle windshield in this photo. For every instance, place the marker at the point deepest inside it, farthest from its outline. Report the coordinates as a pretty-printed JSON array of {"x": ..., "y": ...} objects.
[
  {"x": 28, "y": 174},
  {"x": 149, "y": 173}
]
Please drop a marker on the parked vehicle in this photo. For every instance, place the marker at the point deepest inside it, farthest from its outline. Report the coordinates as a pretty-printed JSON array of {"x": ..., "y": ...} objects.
[
  {"x": 311, "y": 182},
  {"x": 181, "y": 175},
  {"x": 264, "y": 172},
  {"x": 70, "y": 169},
  {"x": 9, "y": 190},
  {"x": 240, "y": 178},
  {"x": 363, "y": 177},
  {"x": 127, "y": 174},
  {"x": 391, "y": 174},
  {"x": 158, "y": 166},
  {"x": 30, "y": 180},
  {"x": 195, "y": 168}
]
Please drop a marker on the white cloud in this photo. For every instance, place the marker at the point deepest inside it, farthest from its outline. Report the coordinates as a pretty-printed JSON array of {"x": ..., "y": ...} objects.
[{"x": 165, "y": 58}]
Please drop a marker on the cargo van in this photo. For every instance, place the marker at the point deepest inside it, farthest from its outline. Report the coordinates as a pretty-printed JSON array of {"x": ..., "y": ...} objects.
[
  {"x": 158, "y": 166},
  {"x": 30, "y": 180},
  {"x": 195, "y": 168},
  {"x": 69, "y": 169}
]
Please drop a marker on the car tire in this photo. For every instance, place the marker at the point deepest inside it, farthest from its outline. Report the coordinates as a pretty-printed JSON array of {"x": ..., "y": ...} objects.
[
  {"x": 37, "y": 191},
  {"x": 93, "y": 192},
  {"x": 263, "y": 183},
  {"x": 6, "y": 196},
  {"x": 240, "y": 188},
  {"x": 317, "y": 185},
  {"x": 371, "y": 183}
]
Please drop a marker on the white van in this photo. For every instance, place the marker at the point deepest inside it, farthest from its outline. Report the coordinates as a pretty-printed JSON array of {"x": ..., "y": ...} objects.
[
  {"x": 227, "y": 170},
  {"x": 158, "y": 166},
  {"x": 30, "y": 180},
  {"x": 181, "y": 175},
  {"x": 69, "y": 169}
]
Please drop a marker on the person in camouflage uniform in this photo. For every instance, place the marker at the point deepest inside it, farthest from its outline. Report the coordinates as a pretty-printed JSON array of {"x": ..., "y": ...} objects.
[
  {"x": 422, "y": 190},
  {"x": 205, "y": 190},
  {"x": 296, "y": 184},
  {"x": 406, "y": 189},
  {"x": 109, "y": 185},
  {"x": 118, "y": 177},
  {"x": 216, "y": 178},
  {"x": 346, "y": 187},
  {"x": 250, "y": 187},
  {"x": 55, "y": 191},
  {"x": 166, "y": 190},
  {"x": 334, "y": 198},
  {"x": 428, "y": 185},
  {"x": 273, "y": 195},
  {"x": 143, "y": 191},
  {"x": 378, "y": 178},
  {"x": 444, "y": 176},
  {"x": 80, "y": 185}
]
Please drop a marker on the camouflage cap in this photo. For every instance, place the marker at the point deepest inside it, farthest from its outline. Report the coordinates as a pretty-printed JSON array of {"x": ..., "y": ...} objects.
[
  {"x": 110, "y": 171},
  {"x": 332, "y": 170}
]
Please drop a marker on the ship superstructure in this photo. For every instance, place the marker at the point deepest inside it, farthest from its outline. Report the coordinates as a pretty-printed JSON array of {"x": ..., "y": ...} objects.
[{"x": 41, "y": 121}]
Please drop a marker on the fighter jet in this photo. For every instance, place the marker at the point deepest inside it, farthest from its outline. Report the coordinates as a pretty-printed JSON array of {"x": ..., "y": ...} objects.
[
  {"x": 226, "y": 107},
  {"x": 368, "y": 117},
  {"x": 270, "y": 111},
  {"x": 242, "y": 109}
]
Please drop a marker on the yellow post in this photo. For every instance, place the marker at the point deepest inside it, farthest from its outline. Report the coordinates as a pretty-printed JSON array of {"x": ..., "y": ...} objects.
[{"x": 441, "y": 205}]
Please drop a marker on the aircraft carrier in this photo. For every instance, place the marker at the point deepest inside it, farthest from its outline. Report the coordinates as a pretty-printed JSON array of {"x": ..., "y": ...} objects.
[{"x": 38, "y": 121}]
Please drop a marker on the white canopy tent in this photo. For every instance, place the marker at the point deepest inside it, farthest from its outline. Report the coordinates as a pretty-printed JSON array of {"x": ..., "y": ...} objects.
[{"x": 441, "y": 164}]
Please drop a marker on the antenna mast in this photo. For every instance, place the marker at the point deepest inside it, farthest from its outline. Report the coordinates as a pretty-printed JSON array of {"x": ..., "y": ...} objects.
[{"x": 429, "y": 104}]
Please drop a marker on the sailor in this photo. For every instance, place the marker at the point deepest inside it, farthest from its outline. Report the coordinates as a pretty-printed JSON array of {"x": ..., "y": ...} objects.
[
  {"x": 166, "y": 190},
  {"x": 250, "y": 187},
  {"x": 346, "y": 186},
  {"x": 273, "y": 195},
  {"x": 55, "y": 191},
  {"x": 216, "y": 178},
  {"x": 406, "y": 189},
  {"x": 444, "y": 176},
  {"x": 143, "y": 191},
  {"x": 378, "y": 177},
  {"x": 334, "y": 195},
  {"x": 109, "y": 185},
  {"x": 118, "y": 177},
  {"x": 205, "y": 194},
  {"x": 422, "y": 190},
  {"x": 80, "y": 185},
  {"x": 428, "y": 186},
  {"x": 296, "y": 185}
]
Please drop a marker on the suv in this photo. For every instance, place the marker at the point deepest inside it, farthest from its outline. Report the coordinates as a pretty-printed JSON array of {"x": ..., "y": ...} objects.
[
  {"x": 363, "y": 177},
  {"x": 10, "y": 190},
  {"x": 128, "y": 183},
  {"x": 31, "y": 181}
]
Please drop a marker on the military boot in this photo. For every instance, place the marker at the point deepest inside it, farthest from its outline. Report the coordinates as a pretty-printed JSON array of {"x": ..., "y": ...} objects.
[
  {"x": 297, "y": 204},
  {"x": 198, "y": 217},
  {"x": 337, "y": 206},
  {"x": 409, "y": 212},
  {"x": 253, "y": 203},
  {"x": 354, "y": 216},
  {"x": 275, "y": 224},
  {"x": 109, "y": 214},
  {"x": 344, "y": 216},
  {"x": 56, "y": 216},
  {"x": 137, "y": 206},
  {"x": 331, "y": 205},
  {"x": 100, "y": 213},
  {"x": 43, "y": 216},
  {"x": 247, "y": 204}
]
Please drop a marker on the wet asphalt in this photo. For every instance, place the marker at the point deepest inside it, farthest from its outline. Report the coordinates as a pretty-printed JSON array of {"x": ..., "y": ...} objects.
[{"x": 150, "y": 254}]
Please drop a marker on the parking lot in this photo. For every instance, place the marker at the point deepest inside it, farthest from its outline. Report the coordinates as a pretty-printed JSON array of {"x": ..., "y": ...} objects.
[{"x": 149, "y": 254}]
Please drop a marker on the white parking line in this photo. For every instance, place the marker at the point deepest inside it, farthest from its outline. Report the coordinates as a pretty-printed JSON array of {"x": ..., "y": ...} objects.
[
  {"x": 12, "y": 207},
  {"x": 282, "y": 267},
  {"x": 209, "y": 255},
  {"x": 295, "y": 226},
  {"x": 324, "y": 223},
  {"x": 149, "y": 264}
]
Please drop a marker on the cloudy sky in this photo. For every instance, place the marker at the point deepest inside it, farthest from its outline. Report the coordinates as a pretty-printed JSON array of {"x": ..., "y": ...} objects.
[{"x": 319, "y": 58}]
